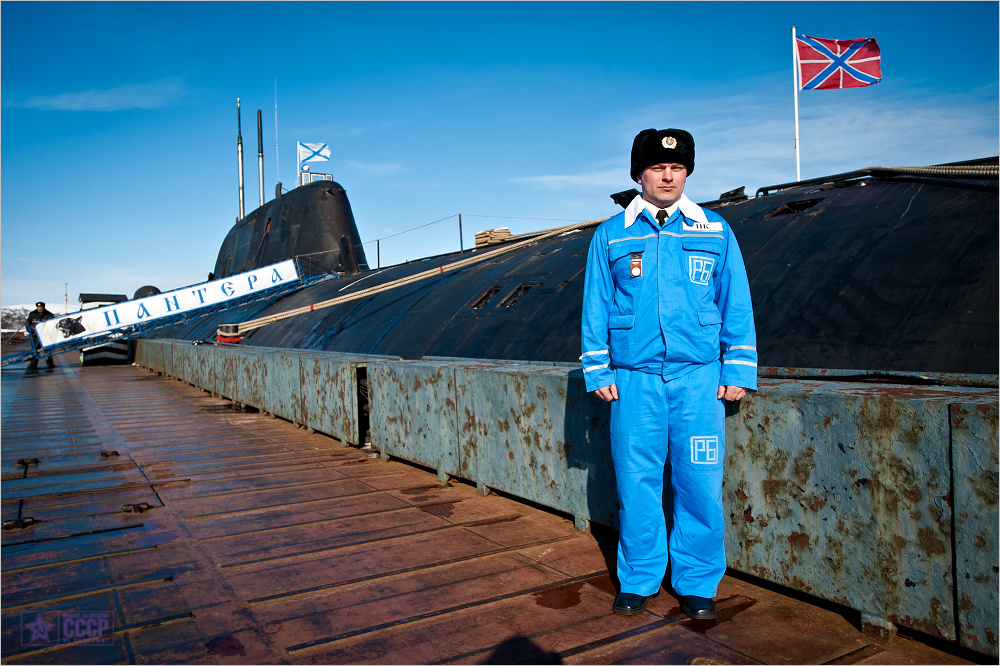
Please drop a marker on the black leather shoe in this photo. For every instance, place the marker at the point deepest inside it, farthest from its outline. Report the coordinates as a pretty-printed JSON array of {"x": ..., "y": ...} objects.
[
  {"x": 627, "y": 603},
  {"x": 698, "y": 608}
]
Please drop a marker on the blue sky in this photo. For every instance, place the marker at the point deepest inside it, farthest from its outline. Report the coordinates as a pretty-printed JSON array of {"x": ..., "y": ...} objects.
[{"x": 118, "y": 150}]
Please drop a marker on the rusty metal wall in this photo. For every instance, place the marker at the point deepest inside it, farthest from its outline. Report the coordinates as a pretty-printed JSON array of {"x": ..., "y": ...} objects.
[
  {"x": 528, "y": 429},
  {"x": 328, "y": 399},
  {"x": 521, "y": 433},
  {"x": 974, "y": 453},
  {"x": 316, "y": 390},
  {"x": 415, "y": 414},
  {"x": 842, "y": 491},
  {"x": 881, "y": 497}
]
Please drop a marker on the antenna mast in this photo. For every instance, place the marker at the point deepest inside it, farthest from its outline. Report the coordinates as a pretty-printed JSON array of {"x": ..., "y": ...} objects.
[
  {"x": 239, "y": 152},
  {"x": 260, "y": 158}
]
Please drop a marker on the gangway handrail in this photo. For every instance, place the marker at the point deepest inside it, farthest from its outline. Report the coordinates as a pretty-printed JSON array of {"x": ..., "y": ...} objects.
[
  {"x": 138, "y": 330},
  {"x": 973, "y": 171}
]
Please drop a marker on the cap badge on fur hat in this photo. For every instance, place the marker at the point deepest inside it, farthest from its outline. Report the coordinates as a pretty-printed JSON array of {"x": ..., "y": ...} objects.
[{"x": 669, "y": 142}]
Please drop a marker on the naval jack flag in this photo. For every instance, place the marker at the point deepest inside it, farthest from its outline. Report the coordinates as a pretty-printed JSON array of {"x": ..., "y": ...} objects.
[
  {"x": 831, "y": 64},
  {"x": 313, "y": 152},
  {"x": 310, "y": 152}
]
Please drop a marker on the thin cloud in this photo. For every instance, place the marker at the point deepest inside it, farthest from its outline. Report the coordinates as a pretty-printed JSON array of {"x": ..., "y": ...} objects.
[
  {"x": 559, "y": 183},
  {"x": 377, "y": 168},
  {"x": 151, "y": 95},
  {"x": 356, "y": 131}
]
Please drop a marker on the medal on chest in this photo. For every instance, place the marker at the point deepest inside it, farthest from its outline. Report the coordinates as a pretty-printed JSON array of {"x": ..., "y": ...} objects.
[{"x": 636, "y": 265}]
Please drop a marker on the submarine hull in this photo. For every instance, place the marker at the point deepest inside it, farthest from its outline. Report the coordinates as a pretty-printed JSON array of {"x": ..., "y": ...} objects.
[{"x": 895, "y": 273}]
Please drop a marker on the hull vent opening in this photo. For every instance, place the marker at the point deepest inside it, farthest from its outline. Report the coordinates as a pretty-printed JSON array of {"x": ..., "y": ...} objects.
[
  {"x": 485, "y": 298},
  {"x": 794, "y": 207},
  {"x": 516, "y": 295}
]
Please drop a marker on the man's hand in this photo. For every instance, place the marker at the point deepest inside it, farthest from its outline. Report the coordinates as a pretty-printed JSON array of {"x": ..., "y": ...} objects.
[
  {"x": 731, "y": 392},
  {"x": 608, "y": 393}
]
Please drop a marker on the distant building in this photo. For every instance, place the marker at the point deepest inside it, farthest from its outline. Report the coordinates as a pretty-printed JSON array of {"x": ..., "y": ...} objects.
[{"x": 88, "y": 301}]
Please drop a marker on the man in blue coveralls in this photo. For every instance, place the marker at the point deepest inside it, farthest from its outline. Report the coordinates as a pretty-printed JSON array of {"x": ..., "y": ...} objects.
[{"x": 668, "y": 336}]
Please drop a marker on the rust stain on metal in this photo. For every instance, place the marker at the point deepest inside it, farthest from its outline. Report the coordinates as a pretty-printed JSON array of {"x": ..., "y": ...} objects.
[
  {"x": 985, "y": 487},
  {"x": 931, "y": 541},
  {"x": 530, "y": 408},
  {"x": 804, "y": 465},
  {"x": 798, "y": 540}
]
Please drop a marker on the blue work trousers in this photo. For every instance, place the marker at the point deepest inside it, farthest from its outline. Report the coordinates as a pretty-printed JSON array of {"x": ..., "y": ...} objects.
[{"x": 682, "y": 420}]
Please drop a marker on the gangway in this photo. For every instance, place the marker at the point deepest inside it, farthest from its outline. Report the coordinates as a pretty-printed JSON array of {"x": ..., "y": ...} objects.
[{"x": 129, "y": 330}]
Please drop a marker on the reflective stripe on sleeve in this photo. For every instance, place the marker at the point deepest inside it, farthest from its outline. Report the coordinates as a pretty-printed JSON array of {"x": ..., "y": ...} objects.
[
  {"x": 750, "y": 363},
  {"x": 596, "y": 367},
  {"x": 741, "y": 347},
  {"x": 595, "y": 353}
]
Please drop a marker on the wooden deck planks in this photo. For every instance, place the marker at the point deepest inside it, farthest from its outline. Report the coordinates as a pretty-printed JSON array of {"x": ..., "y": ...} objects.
[{"x": 267, "y": 544}]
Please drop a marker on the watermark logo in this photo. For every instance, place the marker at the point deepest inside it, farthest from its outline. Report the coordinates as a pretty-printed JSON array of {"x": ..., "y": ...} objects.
[
  {"x": 44, "y": 628},
  {"x": 705, "y": 450}
]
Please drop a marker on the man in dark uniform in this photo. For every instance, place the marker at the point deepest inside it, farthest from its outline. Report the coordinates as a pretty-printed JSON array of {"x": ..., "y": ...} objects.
[{"x": 35, "y": 316}]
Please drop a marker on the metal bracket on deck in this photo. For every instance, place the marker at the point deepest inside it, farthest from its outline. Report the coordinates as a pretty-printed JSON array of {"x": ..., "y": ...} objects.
[
  {"x": 877, "y": 626},
  {"x": 19, "y": 523}
]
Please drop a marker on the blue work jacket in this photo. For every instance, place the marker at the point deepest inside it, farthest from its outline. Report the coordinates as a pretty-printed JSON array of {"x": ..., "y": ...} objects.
[{"x": 667, "y": 300}]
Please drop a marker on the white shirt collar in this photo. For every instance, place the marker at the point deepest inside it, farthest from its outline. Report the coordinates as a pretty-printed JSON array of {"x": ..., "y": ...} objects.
[
  {"x": 654, "y": 209},
  {"x": 690, "y": 209}
]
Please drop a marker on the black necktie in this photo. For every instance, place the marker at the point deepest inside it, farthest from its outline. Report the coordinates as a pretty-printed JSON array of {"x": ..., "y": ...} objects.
[{"x": 661, "y": 216}]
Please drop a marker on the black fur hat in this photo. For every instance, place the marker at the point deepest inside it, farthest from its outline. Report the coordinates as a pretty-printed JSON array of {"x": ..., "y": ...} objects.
[{"x": 656, "y": 146}]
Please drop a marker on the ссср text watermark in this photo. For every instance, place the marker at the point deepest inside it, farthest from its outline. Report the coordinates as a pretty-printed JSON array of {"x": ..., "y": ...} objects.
[{"x": 44, "y": 628}]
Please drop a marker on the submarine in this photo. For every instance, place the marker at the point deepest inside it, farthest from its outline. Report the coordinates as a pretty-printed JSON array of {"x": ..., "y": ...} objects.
[{"x": 877, "y": 270}]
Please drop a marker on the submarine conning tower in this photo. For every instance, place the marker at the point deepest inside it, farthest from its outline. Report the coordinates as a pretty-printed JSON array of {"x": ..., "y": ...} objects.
[{"x": 312, "y": 223}]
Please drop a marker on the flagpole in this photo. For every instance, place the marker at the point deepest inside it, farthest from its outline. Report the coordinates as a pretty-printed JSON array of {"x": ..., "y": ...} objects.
[
  {"x": 277, "y": 163},
  {"x": 795, "y": 90}
]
